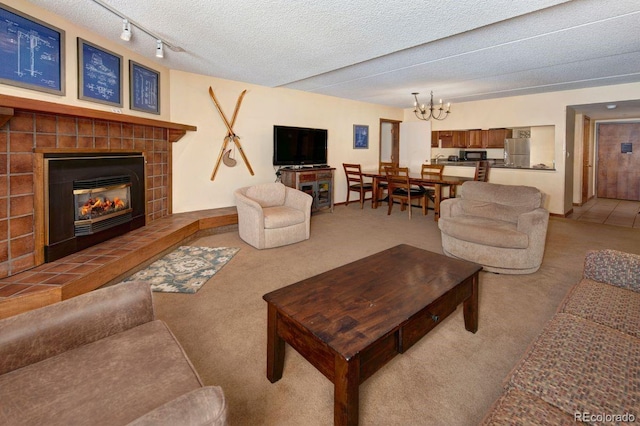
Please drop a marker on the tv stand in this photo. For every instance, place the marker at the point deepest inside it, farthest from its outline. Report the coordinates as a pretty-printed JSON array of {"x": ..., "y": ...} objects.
[{"x": 315, "y": 181}]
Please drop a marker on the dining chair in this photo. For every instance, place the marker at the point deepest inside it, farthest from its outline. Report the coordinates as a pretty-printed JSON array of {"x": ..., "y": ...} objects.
[
  {"x": 355, "y": 182},
  {"x": 399, "y": 187},
  {"x": 431, "y": 171},
  {"x": 382, "y": 186},
  {"x": 482, "y": 171}
]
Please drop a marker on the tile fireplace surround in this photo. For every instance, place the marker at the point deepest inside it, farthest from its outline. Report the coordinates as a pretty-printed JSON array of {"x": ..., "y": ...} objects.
[{"x": 30, "y": 128}]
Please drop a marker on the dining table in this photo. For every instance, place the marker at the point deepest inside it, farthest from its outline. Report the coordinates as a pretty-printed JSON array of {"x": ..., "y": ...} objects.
[{"x": 417, "y": 179}]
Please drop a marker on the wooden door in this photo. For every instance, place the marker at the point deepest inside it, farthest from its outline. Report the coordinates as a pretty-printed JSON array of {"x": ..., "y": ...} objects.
[
  {"x": 586, "y": 159},
  {"x": 619, "y": 161},
  {"x": 389, "y": 141}
]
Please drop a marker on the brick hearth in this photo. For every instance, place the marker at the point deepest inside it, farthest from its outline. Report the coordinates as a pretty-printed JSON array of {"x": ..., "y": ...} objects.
[{"x": 107, "y": 262}]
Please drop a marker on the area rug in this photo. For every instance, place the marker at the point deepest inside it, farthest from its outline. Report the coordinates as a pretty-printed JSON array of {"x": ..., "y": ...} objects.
[{"x": 185, "y": 269}]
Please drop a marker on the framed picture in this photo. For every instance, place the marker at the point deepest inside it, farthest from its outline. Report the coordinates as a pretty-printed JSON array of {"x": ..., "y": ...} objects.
[
  {"x": 360, "y": 136},
  {"x": 99, "y": 74},
  {"x": 32, "y": 53},
  {"x": 144, "y": 88}
]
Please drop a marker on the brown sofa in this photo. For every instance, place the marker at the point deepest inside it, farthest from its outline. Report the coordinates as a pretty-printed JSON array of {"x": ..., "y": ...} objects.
[
  {"x": 100, "y": 358},
  {"x": 585, "y": 365}
]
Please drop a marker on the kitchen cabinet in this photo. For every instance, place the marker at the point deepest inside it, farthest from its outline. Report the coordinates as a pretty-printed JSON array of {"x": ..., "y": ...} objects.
[
  {"x": 434, "y": 139},
  {"x": 450, "y": 138},
  {"x": 476, "y": 138},
  {"x": 496, "y": 137}
]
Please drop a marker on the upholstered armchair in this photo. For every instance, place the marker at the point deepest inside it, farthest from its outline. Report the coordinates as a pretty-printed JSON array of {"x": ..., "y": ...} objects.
[
  {"x": 501, "y": 227},
  {"x": 273, "y": 215}
]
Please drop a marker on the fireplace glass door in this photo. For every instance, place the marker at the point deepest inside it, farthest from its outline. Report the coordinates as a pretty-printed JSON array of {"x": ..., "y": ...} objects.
[{"x": 101, "y": 203}]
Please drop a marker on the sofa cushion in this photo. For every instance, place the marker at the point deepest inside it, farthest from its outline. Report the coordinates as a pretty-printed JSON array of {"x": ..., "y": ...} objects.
[
  {"x": 580, "y": 366},
  {"x": 517, "y": 407},
  {"x": 613, "y": 267},
  {"x": 267, "y": 194},
  {"x": 203, "y": 406},
  {"x": 111, "y": 381},
  {"x": 605, "y": 304},
  {"x": 282, "y": 216},
  {"x": 501, "y": 202},
  {"x": 485, "y": 231}
]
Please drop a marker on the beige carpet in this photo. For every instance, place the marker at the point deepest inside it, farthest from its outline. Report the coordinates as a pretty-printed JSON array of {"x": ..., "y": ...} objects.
[{"x": 450, "y": 377}]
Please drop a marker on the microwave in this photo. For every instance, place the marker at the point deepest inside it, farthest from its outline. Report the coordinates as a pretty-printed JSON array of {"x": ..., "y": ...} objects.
[{"x": 473, "y": 155}]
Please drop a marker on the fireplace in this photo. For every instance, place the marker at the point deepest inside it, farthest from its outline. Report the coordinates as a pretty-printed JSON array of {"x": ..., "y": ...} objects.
[{"x": 89, "y": 198}]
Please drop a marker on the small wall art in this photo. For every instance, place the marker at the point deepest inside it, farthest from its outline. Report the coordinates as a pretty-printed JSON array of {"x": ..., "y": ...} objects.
[
  {"x": 360, "y": 136},
  {"x": 32, "y": 53},
  {"x": 99, "y": 74},
  {"x": 144, "y": 90}
]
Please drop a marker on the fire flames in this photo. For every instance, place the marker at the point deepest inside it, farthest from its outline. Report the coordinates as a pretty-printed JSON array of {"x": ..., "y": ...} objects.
[{"x": 99, "y": 206}]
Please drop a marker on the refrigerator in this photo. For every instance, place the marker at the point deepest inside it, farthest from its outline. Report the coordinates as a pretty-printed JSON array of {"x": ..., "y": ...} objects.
[{"x": 517, "y": 152}]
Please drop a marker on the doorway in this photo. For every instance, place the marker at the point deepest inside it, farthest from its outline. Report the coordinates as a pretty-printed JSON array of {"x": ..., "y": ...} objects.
[
  {"x": 586, "y": 160},
  {"x": 389, "y": 141}
]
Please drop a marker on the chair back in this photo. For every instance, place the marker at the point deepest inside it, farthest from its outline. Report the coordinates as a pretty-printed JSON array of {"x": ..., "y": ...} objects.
[
  {"x": 384, "y": 164},
  {"x": 397, "y": 178},
  {"x": 353, "y": 172},
  {"x": 482, "y": 171},
  {"x": 432, "y": 171}
]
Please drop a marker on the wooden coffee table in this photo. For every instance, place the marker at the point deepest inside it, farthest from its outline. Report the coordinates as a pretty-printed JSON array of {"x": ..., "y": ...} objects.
[{"x": 350, "y": 321}]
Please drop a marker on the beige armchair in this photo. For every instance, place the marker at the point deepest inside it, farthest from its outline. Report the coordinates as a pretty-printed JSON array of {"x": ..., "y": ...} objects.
[
  {"x": 501, "y": 227},
  {"x": 273, "y": 215}
]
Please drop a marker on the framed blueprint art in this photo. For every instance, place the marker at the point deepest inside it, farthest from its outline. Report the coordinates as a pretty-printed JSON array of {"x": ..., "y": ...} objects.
[
  {"x": 360, "y": 136},
  {"x": 99, "y": 74},
  {"x": 31, "y": 52},
  {"x": 144, "y": 88}
]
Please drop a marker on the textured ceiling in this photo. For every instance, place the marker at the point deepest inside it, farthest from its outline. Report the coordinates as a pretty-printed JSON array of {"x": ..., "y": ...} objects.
[{"x": 380, "y": 52}]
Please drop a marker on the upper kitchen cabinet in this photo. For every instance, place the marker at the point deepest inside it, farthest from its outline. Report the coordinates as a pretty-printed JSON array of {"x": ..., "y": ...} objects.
[
  {"x": 496, "y": 137},
  {"x": 492, "y": 138},
  {"x": 450, "y": 138}
]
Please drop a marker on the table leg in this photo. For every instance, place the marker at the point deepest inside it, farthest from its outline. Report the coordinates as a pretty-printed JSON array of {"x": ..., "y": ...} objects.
[
  {"x": 438, "y": 197},
  {"x": 374, "y": 196},
  {"x": 346, "y": 391},
  {"x": 470, "y": 307},
  {"x": 275, "y": 346}
]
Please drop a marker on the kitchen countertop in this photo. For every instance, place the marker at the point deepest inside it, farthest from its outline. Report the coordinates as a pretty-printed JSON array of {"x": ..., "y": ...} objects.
[{"x": 498, "y": 164}]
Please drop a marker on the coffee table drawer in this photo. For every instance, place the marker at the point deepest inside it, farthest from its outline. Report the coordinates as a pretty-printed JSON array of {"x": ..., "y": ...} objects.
[{"x": 423, "y": 322}]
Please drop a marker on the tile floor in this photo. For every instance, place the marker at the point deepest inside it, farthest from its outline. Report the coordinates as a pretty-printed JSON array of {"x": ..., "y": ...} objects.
[{"x": 609, "y": 211}]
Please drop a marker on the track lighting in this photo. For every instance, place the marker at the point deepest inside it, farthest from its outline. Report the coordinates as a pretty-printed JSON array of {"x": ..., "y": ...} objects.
[
  {"x": 160, "y": 49},
  {"x": 127, "y": 25},
  {"x": 126, "y": 30}
]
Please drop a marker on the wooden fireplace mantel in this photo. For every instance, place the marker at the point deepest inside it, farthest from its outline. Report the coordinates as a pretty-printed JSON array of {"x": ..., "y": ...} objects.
[{"x": 8, "y": 104}]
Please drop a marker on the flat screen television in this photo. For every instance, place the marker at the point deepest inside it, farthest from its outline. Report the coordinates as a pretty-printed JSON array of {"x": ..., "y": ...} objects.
[{"x": 296, "y": 146}]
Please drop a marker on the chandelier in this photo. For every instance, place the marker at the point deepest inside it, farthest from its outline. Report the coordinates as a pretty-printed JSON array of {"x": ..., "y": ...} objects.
[{"x": 427, "y": 112}]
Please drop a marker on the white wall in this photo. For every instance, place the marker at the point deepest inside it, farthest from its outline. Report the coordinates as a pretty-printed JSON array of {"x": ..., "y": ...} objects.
[
  {"x": 194, "y": 156},
  {"x": 415, "y": 144}
]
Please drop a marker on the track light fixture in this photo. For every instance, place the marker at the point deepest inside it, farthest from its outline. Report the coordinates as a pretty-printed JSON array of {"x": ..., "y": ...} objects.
[
  {"x": 126, "y": 30},
  {"x": 159, "y": 49},
  {"x": 427, "y": 112}
]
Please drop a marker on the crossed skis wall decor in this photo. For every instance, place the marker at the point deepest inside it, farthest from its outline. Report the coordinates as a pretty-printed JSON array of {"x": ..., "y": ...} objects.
[{"x": 231, "y": 136}]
